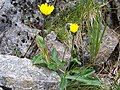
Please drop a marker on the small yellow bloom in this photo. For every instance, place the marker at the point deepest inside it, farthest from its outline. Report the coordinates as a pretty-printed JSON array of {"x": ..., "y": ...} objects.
[
  {"x": 74, "y": 27},
  {"x": 46, "y": 9}
]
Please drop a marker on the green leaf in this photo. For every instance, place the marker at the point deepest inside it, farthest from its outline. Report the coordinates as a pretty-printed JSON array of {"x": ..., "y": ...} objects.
[
  {"x": 55, "y": 59},
  {"x": 86, "y": 81},
  {"x": 84, "y": 72},
  {"x": 52, "y": 65},
  {"x": 63, "y": 83},
  {"x": 54, "y": 54},
  {"x": 38, "y": 59},
  {"x": 84, "y": 75},
  {"x": 87, "y": 72},
  {"x": 75, "y": 70},
  {"x": 76, "y": 60},
  {"x": 40, "y": 41}
]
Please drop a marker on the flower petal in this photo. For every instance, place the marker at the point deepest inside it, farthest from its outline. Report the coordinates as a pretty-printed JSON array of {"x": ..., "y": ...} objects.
[{"x": 46, "y": 9}]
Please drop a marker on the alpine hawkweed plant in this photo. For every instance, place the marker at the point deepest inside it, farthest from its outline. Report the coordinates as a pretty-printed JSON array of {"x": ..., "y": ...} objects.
[
  {"x": 73, "y": 29},
  {"x": 46, "y": 9}
]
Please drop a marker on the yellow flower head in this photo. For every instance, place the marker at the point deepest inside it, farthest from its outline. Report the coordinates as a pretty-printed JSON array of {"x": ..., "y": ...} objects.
[
  {"x": 46, "y": 9},
  {"x": 74, "y": 27}
]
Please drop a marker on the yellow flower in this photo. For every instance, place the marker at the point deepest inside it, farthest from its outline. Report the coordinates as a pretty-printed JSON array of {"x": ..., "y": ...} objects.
[
  {"x": 46, "y": 9},
  {"x": 74, "y": 27}
]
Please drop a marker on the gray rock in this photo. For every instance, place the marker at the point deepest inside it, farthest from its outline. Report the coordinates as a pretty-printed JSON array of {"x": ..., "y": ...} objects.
[
  {"x": 1, "y": 88},
  {"x": 107, "y": 46},
  {"x": 16, "y": 33},
  {"x": 62, "y": 49},
  {"x": 17, "y": 39},
  {"x": 4, "y": 22},
  {"x": 20, "y": 74},
  {"x": 19, "y": 10}
]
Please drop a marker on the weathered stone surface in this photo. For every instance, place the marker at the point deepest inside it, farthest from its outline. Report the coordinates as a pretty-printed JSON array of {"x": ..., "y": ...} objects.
[
  {"x": 17, "y": 39},
  {"x": 20, "y": 74},
  {"x": 1, "y": 88},
  {"x": 52, "y": 42},
  {"x": 16, "y": 33},
  {"x": 110, "y": 40},
  {"x": 16, "y": 19}
]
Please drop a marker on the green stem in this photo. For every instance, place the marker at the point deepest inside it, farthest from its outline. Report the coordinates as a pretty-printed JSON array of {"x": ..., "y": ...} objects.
[{"x": 71, "y": 52}]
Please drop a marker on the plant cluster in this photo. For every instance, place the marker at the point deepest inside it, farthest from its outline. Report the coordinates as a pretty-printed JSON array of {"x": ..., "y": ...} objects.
[{"x": 84, "y": 17}]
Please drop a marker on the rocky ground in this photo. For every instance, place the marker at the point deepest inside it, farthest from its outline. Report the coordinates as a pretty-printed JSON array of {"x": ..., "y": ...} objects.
[{"x": 20, "y": 21}]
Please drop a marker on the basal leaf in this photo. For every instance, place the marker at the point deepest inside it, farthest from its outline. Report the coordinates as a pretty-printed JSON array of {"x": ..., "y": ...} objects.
[
  {"x": 40, "y": 42},
  {"x": 86, "y": 81},
  {"x": 38, "y": 59}
]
